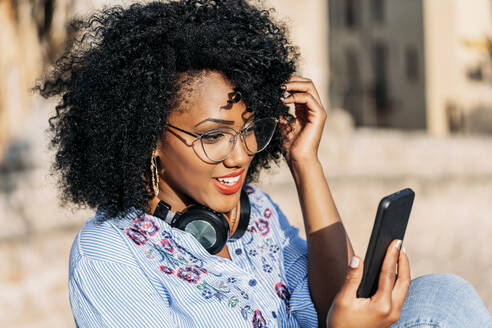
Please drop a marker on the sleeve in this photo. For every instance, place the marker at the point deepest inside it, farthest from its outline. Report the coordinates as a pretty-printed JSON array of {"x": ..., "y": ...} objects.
[
  {"x": 296, "y": 272},
  {"x": 111, "y": 294}
]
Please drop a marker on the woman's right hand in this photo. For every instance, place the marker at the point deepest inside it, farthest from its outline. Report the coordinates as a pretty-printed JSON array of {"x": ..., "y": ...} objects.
[{"x": 383, "y": 308}]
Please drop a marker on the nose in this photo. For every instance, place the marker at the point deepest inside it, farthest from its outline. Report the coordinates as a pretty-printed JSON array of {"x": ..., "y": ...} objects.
[{"x": 239, "y": 156}]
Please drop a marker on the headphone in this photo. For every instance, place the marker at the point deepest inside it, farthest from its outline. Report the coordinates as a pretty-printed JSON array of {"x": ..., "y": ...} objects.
[{"x": 209, "y": 227}]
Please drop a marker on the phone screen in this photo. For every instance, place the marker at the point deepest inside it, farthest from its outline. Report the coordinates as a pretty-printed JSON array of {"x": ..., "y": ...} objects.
[{"x": 390, "y": 223}]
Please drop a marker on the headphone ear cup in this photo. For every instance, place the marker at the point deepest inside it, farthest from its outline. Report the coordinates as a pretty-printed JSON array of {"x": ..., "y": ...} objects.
[
  {"x": 244, "y": 216},
  {"x": 210, "y": 228}
]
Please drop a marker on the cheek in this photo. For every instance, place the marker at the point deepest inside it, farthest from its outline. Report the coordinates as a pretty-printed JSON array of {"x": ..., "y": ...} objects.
[{"x": 184, "y": 168}]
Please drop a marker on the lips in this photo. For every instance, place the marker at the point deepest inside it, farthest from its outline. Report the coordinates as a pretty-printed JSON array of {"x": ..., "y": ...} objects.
[
  {"x": 230, "y": 183},
  {"x": 234, "y": 174}
]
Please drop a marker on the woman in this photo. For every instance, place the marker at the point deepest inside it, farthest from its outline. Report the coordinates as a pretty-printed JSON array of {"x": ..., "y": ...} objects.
[{"x": 172, "y": 107}]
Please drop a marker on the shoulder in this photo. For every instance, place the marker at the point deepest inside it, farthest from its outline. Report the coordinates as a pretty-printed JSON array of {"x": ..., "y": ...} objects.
[
  {"x": 266, "y": 214},
  {"x": 261, "y": 201},
  {"x": 100, "y": 239},
  {"x": 259, "y": 198}
]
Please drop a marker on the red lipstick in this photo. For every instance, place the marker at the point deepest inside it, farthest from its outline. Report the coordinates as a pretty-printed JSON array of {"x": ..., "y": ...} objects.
[
  {"x": 234, "y": 174},
  {"x": 228, "y": 188}
]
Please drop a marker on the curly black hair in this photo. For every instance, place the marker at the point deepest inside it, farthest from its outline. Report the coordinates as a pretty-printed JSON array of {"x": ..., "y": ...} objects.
[{"x": 121, "y": 75}]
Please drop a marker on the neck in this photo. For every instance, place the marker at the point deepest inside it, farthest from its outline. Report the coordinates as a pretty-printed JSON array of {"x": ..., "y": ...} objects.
[
  {"x": 178, "y": 201},
  {"x": 233, "y": 219}
]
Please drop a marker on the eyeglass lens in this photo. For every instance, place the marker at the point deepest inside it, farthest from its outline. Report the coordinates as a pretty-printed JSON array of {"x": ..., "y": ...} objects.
[{"x": 218, "y": 144}]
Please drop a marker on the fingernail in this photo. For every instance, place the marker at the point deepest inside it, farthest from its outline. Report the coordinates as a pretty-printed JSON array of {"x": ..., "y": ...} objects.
[
  {"x": 404, "y": 249},
  {"x": 283, "y": 87},
  {"x": 354, "y": 262},
  {"x": 398, "y": 244}
]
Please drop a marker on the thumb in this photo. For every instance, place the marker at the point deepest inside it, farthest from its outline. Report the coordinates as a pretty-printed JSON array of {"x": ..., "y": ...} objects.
[{"x": 353, "y": 278}]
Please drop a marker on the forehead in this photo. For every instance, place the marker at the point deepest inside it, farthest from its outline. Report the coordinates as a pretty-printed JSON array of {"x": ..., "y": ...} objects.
[{"x": 205, "y": 97}]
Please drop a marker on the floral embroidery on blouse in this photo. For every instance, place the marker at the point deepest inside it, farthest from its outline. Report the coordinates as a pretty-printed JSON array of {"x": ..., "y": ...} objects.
[
  {"x": 146, "y": 226},
  {"x": 178, "y": 261},
  {"x": 136, "y": 236},
  {"x": 189, "y": 274},
  {"x": 258, "y": 320},
  {"x": 283, "y": 293}
]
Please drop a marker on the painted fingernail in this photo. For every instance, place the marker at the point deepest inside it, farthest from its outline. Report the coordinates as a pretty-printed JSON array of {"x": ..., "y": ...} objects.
[
  {"x": 354, "y": 262},
  {"x": 283, "y": 87},
  {"x": 398, "y": 244}
]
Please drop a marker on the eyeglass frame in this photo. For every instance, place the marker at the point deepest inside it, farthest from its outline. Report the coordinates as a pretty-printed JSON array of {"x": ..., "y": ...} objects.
[{"x": 236, "y": 133}]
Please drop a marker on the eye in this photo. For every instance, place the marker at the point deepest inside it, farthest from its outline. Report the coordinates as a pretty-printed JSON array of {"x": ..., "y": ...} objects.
[
  {"x": 212, "y": 138},
  {"x": 250, "y": 129}
]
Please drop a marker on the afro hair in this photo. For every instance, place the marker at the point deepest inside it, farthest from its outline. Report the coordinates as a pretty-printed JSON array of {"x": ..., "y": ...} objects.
[{"x": 121, "y": 75}]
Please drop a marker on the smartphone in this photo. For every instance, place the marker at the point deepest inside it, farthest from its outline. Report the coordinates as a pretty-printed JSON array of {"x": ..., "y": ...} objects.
[{"x": 390, "y": 223}]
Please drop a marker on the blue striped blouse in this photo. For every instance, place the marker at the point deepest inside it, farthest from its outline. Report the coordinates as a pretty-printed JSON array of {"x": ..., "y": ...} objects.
[{"x": 139, "y": 272}]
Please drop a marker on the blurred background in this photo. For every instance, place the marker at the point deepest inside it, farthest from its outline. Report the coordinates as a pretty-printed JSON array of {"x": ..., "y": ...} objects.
[{"x": 408, "y": 90}]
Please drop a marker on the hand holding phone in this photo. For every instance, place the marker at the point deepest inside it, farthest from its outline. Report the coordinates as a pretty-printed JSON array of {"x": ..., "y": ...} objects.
[
  {"x": 383, "y": 308},
  {"x": 386, "y": 287}
]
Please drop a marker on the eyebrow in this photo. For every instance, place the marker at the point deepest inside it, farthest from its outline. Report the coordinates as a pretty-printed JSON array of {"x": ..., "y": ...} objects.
[{"x": 215, "y": 120}]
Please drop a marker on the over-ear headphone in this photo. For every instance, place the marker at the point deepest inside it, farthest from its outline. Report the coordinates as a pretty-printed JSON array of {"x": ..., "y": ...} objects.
[{"x": 209, "y": 227}]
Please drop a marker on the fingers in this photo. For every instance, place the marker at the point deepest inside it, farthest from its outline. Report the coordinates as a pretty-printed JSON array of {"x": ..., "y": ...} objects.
[
  {"x": 387, "y": 277},
  {"x": 302, "y": 84},
  {"x": 302, "y": 91},
  {"x": 402, "y": 282},
  {"x": 312, "y": 106},
  {"x": 353, "y": 279},
  {"x": 302, "y": 98}
]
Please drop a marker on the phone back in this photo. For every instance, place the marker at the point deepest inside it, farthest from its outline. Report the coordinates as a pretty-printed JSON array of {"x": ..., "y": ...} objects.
[{"x": 390, "y": 223}]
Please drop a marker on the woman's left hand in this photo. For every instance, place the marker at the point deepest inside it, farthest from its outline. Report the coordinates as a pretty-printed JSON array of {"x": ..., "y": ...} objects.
[{"x": 302, "y": 142}]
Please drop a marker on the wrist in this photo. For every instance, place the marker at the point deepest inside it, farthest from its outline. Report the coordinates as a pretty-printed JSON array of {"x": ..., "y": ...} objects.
[
  {"x": 300, "y": 164},
  {"x": 300, "y": 168}
]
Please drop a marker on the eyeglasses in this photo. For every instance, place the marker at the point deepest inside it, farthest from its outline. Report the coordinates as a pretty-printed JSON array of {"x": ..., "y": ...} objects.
[{"x": 219, "y": 143}]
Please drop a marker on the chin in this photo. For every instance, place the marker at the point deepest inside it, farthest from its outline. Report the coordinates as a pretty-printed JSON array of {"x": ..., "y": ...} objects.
[{"x": 224, "y": 203}]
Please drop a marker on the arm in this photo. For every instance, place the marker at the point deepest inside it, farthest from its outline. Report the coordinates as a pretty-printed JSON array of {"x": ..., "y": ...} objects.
[{"x": 329, "y": 247}]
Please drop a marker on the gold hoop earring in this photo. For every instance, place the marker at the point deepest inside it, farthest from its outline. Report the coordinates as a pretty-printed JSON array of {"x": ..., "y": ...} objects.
[{"x": 155, "y": 175}]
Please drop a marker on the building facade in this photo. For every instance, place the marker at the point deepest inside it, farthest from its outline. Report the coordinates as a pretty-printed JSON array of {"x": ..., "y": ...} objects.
[
  {"x": 458, "y": 54},
  {"x": 421, "y": 64},
  {"x": 377, "y": 62}
]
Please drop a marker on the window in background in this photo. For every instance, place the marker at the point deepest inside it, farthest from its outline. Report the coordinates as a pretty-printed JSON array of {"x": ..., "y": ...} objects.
[
  {"x": 475, "y": 73},
  {"x": 380, "y": 82},
  {"x": 335, "y": 13},
  {"x": 377, "y": 10},
  {"x": 411, "y": 64},
  {"x": 352, "y": 13},
  {"x": 352, "y": 100}
]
